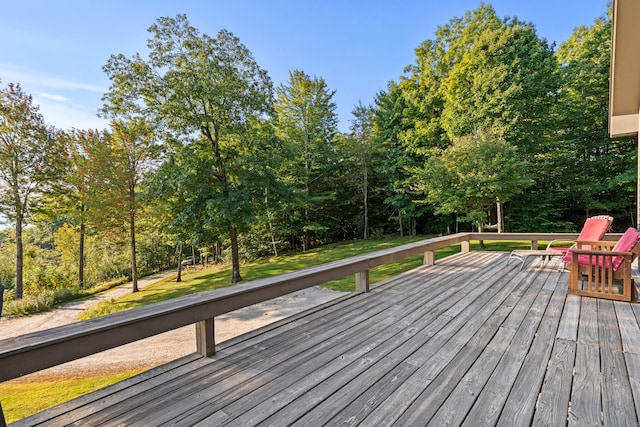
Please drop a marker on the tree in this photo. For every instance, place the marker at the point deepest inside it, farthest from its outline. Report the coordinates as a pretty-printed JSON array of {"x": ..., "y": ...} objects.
[
  {"x": 31, "y": 157},
  {"x": 72, "y": 194},
  {"x": 192, "y": 83},
  {"x": 306, "y": 121},
  {"x": 472, "y": 174},
  {"x": 596, "y": 172},
  {"x": 362, "y": 133},
  {"x": 403, "y": 146},
  {"x": 118, "y": 165},
  {"x": 484, "y": 72}
]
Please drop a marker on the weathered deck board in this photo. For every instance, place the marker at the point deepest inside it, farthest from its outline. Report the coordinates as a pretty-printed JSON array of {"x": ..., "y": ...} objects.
[
  {"x": 617, "y": 399},
  {"x": 586, "y": 406},
  {"x": 468, "y": 341}
]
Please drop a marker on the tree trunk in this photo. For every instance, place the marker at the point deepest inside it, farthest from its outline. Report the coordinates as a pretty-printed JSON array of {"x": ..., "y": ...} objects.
[
  {"x": 81, "y": 255},
  {"x": 235, "y": 257},
  {"x": 134, "y": 266},
  {"x": 132, "y": 233},
  {"x": 365, "y": 195},
  {"x": 179, "y": 275},
  {"x": 366, "y": 218},
  {"x": 222, "y": 176},
  {"x": 273, "y": 237},
  {"x": 500, "y": 217},
  {"x": 19, "y": 256}
]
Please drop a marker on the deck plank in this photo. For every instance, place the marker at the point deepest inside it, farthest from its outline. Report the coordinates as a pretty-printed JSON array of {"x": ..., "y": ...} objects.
[
  {"x": 468, "y": 341},
  {"x": 586, "y": 406},
  {"x": 456, "y": 407},
  {"x": 454, "y": 360},
  {"x": 553, "y": 402},
  {"x": 406, "y": 343},
  {"x": 489, "y": 404},
  {"x": 202, "y": 407},
  {"x": 616, "y": 389},
  {"x": 520, "y": 404}
]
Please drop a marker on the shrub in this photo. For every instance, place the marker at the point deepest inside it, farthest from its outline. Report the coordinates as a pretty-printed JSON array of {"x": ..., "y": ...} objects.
[
  {"x": 100, "y": 309},
  {"x": 29, "y": 304}
]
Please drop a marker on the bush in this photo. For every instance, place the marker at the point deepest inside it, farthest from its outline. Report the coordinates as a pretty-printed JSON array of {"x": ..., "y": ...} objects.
[
  {"x": 101, "y": 309},
  {"x": 29, "y": 304},
  {"x": 47, "y": 298}
]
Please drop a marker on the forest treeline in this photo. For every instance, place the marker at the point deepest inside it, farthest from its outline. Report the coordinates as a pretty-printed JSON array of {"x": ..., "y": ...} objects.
[{"x": 206, "y": 157}]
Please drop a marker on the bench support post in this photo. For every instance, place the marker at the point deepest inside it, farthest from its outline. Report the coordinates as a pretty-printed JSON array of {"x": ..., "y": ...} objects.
[
  {"x": 362, "y": 281},
  {"x": 465, "y": 246},
  {"x": 205, "y": 338}
]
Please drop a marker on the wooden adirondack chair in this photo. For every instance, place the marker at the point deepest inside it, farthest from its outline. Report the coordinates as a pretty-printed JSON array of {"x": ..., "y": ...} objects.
[
  {"x": 604, "y": 272},
  {"x": 594, "y": 228}
]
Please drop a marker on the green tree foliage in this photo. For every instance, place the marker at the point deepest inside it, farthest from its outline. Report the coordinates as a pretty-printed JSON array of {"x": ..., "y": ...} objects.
[
  {"x": 595, "y": 171},
  {"x": 72, "y": 194},
  {"x": 361, "y": 132},
  {"x": 474, "y": 173},
  {"x": 306, "y": 122},
  {"x": 112, "y": 166},
  {"x": 192, "y": 83},
  {"x": 394, "y": 130},
  {"x": 499, "y": 76},
  {"x": 480, "y": 73},
  {"x": 31, "y": 159}
]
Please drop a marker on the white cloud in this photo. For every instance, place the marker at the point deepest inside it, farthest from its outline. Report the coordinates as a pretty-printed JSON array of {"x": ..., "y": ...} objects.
[
  {"x": 58, "y": 98},
  {"x": 64, "y": 102},
  {"x": 69, "y": 114},
  {"x": 17, "y": 74}
]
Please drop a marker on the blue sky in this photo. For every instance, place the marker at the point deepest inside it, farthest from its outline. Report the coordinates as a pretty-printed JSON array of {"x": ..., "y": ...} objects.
[{"x": 56, "y": 48}]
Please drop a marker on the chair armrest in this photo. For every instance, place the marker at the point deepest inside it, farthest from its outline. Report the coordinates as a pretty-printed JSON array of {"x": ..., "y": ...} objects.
[
  {"x": 602, "y": 244},
  {"x": 599, "y": 252}
]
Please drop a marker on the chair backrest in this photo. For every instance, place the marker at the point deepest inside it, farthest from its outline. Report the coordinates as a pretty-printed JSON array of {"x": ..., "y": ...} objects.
[
  {"x": 595, "y": 228},
  {"x": 627, "y": 243}
]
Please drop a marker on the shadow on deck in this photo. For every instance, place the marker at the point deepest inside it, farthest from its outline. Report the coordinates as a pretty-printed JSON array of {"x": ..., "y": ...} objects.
[{"x": 469, "y": 341}]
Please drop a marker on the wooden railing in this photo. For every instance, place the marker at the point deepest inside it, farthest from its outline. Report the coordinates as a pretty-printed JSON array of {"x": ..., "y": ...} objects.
[{"x": 35, "y": 351}]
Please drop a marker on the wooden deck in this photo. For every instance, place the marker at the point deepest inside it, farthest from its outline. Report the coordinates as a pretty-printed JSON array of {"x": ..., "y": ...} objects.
[{"x": 471, "y": 341}]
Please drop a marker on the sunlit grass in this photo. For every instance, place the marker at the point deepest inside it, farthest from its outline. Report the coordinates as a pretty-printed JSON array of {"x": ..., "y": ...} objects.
[{"x": 21, "y": 399}]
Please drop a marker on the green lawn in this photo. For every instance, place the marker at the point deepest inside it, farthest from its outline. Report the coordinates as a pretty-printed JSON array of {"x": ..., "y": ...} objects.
[{"x": 20, "y": 399}]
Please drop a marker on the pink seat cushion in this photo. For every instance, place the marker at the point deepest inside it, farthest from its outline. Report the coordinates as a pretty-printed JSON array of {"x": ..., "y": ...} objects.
[{"x": 626, "y": 243}]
